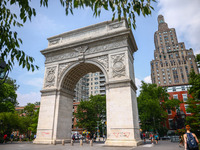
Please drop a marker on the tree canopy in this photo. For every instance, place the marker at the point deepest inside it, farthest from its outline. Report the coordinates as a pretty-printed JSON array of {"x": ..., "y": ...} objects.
[
  {"x": 89, "y": 112},
  {"x": 8, "y": 96},
  {"x": 153, "y": 103},
  {"x": 10, "y": 42},
  {"x": 194, "y": 102}
]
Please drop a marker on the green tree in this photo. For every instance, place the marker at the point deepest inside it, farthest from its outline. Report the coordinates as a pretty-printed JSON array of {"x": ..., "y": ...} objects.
[
  {"x": 9, "y": 121},
  {"x": 8, "y": 96},
  {"x": 89, "y": 112},
  {"x": 10, "y": 43},
  {"x": 37, "y": 103},
  {"x": 153, "y": 103},
  {"x": 33, "y": 126},
  {"x": 197, "y": 58},
  {"x": 194, "y": 102},
  {"x": 29, "y": 119},
  {"x": 29, "y": 110}
]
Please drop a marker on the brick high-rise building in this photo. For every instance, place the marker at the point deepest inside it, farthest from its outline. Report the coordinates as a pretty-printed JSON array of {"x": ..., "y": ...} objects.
[
  {"x": 171, "y": 67},
  {"x": 172, "y": 61}
]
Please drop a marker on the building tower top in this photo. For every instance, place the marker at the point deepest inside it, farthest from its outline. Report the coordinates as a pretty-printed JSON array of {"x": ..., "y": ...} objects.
[{"x": 162, "y": 25}]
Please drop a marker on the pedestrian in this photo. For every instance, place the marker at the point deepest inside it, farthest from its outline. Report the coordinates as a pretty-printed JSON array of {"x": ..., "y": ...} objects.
[
  {"x": 73, "y": 137},
  {"x": 151, "y": 137},
  {"x": 4, "y": 138},
  {"x": 87, "y": 138},
  {"x": 94, "y": 137},
  {"x": 156, "y": 138},
  {"x": 20, "y": 138},
  {"x": 11, "y": 137},
  {"x": 144, "y": 137},
  {"x": 104, "y": 137},
  {"x": 181, "y": 141},
  {"x": 190, "y": 139}
]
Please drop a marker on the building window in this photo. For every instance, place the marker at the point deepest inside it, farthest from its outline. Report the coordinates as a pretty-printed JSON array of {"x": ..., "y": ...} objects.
[
  {"x": 175, "y": 96},
  {"x": 96, "y": 78},
  {"x": 96, "y": 87},
  {"x": 183, "y": 88},
  {"x": 174, "y": 89},
  {"x": 185, "y": 98},
  {"x": 171, "y": 123},
  {"x": 96, "y": 83},
  {"x": 169, "y": 112}
]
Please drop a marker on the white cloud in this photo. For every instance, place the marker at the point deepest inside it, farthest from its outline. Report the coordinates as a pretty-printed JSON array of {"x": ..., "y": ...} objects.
[
  {"x": 184, "y": 16},
  {"x": 32, "y": 97},
  {"x": 147, "y": 79},
  {"x": 37, "y": 82}
]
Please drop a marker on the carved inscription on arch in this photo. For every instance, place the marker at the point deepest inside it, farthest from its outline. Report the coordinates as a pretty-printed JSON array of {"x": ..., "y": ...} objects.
[
  {"x": 50, "y": 77},
  {"x": 118, "y": 65},
  {"x": 85, "y": 50}
]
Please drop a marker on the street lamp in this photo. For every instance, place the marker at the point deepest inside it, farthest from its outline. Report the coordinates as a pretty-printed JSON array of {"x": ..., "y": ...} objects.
[
  {"x": 3, "y": 72},
  {"x": 180, "y": 119},
  {"x": 183, "y": 116}
]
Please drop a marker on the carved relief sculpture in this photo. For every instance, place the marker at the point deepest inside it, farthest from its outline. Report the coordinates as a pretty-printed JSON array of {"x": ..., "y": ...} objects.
[
  {"x": 81, "y": 50},
  {"x": 104, "y": 61},
  {"x": 61, "y": 69},
  {"x": 118, "y": 65},
  {"x": 50, "y": 77}
]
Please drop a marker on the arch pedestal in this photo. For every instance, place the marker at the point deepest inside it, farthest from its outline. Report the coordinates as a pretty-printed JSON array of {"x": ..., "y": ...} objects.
[{"x": 107, "y": 47}]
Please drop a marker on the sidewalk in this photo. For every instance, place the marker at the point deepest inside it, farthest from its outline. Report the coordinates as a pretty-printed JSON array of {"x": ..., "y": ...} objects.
[{"x": 162, "y": 145}]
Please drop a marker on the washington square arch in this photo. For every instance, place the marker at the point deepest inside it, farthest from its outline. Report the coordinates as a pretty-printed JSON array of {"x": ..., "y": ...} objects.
[{"x": 106, "y": 47}]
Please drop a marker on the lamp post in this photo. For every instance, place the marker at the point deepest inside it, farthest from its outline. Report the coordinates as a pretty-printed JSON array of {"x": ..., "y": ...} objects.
[
  {"x": 3, "y": 72},
  {"x": 183, "y": 116},
  {"x": 180, "y": 119}
]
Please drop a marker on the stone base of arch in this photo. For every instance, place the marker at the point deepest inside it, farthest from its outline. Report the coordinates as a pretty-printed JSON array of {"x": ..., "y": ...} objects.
[
  {"x": 114, "y": 142},
  {"x": 58, "y": 141},
  {"x": 122, "y": 114}
]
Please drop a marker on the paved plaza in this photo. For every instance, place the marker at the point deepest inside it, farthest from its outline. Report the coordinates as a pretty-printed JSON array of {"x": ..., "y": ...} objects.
[{"x": 162, "y": 145}]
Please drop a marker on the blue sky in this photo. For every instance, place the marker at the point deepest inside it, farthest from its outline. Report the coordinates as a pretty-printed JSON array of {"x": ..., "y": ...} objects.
[{"x": 182, "y": 15}]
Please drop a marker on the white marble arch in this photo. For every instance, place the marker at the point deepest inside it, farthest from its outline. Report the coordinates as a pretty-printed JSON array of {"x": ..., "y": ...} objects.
[{"x": 106, "y": 47}]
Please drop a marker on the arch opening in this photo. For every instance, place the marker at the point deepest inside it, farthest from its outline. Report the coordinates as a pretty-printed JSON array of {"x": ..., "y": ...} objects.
[
  {"x": 80, "y": 79},
  {"x": 74, "y": 74}
]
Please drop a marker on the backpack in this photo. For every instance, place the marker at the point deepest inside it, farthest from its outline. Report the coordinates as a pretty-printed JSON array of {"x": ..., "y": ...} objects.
[{"x": 191, "y": 142}]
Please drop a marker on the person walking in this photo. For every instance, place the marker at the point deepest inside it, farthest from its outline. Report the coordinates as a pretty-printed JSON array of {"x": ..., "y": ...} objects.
[
  {"x": 156, "y": 138},
  {"x": 94, "y": 137},
  {"x": 181, "y": 141},
  {"x": 151, "y": 137},
  {"x": 11, "y": 137},
  {"x": 4, "y": 138},
  {"x": 190, "y": 139},
  {"x": 144, "y": 137}
]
